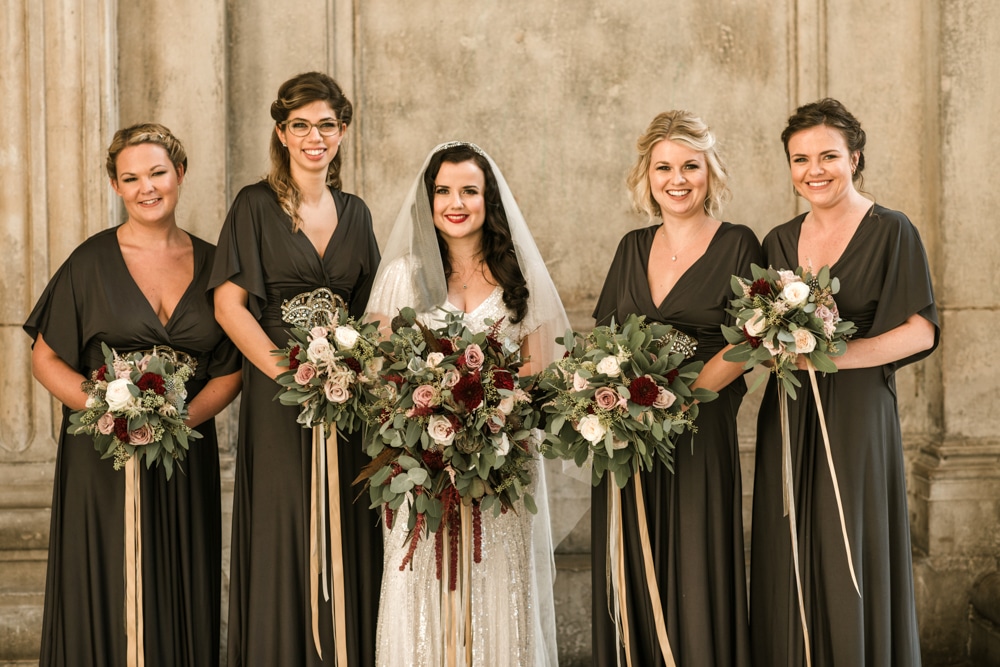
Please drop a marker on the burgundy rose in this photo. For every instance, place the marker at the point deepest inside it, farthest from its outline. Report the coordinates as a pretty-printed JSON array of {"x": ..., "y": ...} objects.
[
  {"x": 469, "y": 391},
  {"x": 456, "y": 423},
  {"x": 101, "y": 372},
  {"x": 447, "y": 347},
  {"x": 760, "y": 287},
  {"x": 503, "y": 380},
  {"x": 671, "y": 376},
  {"x": 394, "y": 378},
  {"x": 121, "y": 429},
  {"x": 753, "y": 340},
  {"x": 152, "y": 381},
  {"x": 293, "y": 357},
  {"x": 644, "y": 391},
  {"x": 352, "y": 363}
]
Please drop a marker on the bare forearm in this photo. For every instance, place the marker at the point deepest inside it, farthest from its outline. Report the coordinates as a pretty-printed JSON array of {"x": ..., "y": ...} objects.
[
  {"x": 913, "y": 336},
  {"x": 244, "y": 330},
  {"x": 718, "y": 373},
  {"x": 57, "y": 376},
  {"x": 216, "y": 395}
]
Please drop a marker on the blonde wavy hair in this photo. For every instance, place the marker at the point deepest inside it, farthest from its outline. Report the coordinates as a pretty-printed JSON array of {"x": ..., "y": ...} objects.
[{"x": 687, "y": 129}]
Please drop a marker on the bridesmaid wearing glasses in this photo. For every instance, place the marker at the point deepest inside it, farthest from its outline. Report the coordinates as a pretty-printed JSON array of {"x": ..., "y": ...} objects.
[{"x": 295, "y": 237}]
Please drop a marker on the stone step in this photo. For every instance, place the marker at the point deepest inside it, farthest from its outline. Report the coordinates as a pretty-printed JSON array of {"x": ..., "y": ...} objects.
[
  {"x": 20, "y": 628},
  {"x": 22, "y": 571}
]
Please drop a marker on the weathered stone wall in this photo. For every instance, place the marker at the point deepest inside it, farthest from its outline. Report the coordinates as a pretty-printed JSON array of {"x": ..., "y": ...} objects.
[{"x": 557, "y": 93}]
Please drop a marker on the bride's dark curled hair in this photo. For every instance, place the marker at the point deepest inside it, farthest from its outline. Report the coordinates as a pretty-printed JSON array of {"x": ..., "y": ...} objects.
[{"x": 498, "y": 246}]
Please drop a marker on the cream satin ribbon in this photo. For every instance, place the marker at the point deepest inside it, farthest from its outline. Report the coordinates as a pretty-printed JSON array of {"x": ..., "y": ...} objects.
[
  {"x": 457, "y": 605},
  {"x": 616, "y": 559},
  {"x": 788, "y": 497},
  {"x": 136, "y": 653},
  {"x": 325, "y": 457}
]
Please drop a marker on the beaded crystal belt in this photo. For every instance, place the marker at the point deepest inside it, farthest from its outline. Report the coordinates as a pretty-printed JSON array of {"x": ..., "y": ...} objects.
[
  {"x": 311, "y": 309},
  {"x": 678, "y": 341}
]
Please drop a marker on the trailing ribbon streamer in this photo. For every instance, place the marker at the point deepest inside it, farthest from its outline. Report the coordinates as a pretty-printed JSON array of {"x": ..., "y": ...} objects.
[
  {"x": 833, "y": 473},
  {"x": 322, "y": 506},
  {"x": 457, "y": 605},
  {"x": 788, "y": 498},
  {"x": 135, "y": 646},
  {"x": 654, "y": 589},
  {"x": 617, "y": 581},
  {"x": 788, "y": 495}
]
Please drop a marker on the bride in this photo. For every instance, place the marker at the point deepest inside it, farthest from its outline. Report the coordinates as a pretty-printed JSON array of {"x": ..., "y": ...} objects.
[{"x": 460, "y": 244}]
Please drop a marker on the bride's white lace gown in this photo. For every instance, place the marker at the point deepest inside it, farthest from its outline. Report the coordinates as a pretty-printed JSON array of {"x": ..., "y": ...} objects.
[{"x": 411, "y": 631}]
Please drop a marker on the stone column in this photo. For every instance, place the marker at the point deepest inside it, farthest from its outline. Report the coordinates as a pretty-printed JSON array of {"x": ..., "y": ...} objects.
[
  {"x": 57, "y": 112},
  {"x": 956, "y": 485}
]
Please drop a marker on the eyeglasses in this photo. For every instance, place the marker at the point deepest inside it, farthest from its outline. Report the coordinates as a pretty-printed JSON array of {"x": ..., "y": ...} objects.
[{"x": 301, "y": 128}]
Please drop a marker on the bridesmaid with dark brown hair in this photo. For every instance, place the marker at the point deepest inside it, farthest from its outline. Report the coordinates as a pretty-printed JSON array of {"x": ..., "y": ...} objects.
[
  {"x": 885, "y": 289},
  {"x": 295, "y": 239}
]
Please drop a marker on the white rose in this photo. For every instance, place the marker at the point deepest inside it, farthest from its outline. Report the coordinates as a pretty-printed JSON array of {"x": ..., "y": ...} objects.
[
  {"x": 440, "y": 430},
  {"x": 618, "y": 444},
  {"x": 506, "y": 405},
  {"x": 579, "y": 382},
  {"x": 608, "y": 366},
  {"x": 757, "y": 324},
  {"x": 504, "y": 447},
  {"x": 805, "y": 342},
  {"x": 374, "y": 365},
  {"x": 434, "y": 358},
  {"x": 91, "y": 402},
  {"x": 318, "y": 349},
  {"x": 591, "y": 429},
  {"x": 795, "y": 294},
  {"x": 346, "y": 337},
  {"x": 118, "y": 395},
  {"x": 336, "y": 393}
]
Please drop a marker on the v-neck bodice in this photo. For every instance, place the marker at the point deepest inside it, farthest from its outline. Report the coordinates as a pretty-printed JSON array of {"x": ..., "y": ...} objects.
[
  {"x": 697, "y": 303},
  {"x": 92, "y": 299}
]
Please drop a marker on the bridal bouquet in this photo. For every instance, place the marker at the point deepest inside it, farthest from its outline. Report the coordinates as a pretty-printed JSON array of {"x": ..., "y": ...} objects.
[
  {"x": 620, "y": 396},
  {"x": 330, "y": 369},
  {"x": 781, "y": 314},
  {"x": 452, "y": 426},
  {"x": 136, "y": 407}
]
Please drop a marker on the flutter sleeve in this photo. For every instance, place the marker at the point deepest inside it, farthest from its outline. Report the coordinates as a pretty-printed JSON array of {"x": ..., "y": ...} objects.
[
  {"x": 56, "y": 317},
  {"x": 907, "y": 288},
  {"x": 238, "y": 253}
]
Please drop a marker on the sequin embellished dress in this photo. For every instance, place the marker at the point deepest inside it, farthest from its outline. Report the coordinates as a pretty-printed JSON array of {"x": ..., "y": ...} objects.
[
  {"x": 270, "y": 616},
  {"x": 505, "y": 611}
]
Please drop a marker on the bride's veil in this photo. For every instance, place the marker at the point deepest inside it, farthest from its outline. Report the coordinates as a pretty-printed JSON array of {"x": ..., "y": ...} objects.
[{"x": 411, "y": 274}]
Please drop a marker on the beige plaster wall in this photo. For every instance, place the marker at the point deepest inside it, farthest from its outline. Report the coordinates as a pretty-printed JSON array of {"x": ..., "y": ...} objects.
[{"x": 557, "y": 93}]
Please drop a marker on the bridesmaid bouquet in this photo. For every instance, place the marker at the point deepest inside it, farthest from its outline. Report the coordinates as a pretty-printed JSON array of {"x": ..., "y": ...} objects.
[
  {"x": 452, "y": 427},
  {"x": 620, "y": 397},
  {"x": 781, "y": 314},
  {"x": 136, "y": 407},
  {"x": 330, "y": 369}
]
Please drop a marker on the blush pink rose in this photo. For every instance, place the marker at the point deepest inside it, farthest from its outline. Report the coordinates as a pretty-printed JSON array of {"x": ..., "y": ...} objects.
[
  {"x": 474, "y": 357},
  {"x": 304, "y": 373},
  {"x": 106, "y": 423},
  {"x": 141, "y": 436},
  {"x": 450, "y": 379},
  {"x": 606, "y": 398},
  {"x": 336, "y": 393},
  {"x": 664, "y": 399},
  {"x": 579, "y": 382},
  {"x": 424, "y": 395}
]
